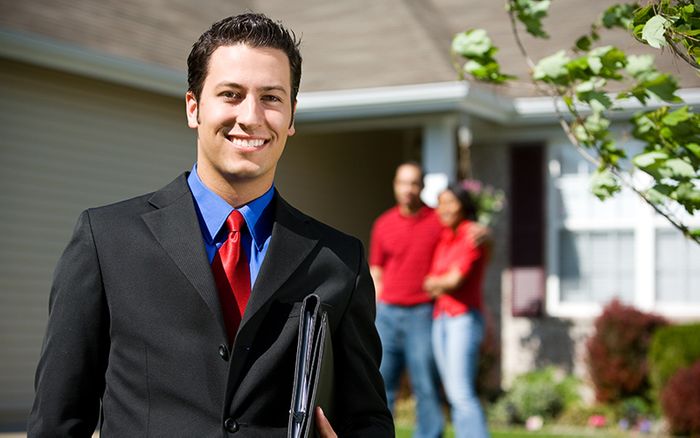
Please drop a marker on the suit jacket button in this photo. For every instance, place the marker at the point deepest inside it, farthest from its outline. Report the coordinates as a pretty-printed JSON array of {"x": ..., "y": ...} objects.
[
  {"x": 223, "y": 352},
  {"x": 231, "y": 425}
]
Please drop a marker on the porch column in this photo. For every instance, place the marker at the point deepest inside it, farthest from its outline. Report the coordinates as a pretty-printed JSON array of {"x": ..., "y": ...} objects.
[{"x": 439, "y": 156}]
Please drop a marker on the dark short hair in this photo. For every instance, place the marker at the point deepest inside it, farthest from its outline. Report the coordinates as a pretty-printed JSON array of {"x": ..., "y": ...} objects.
[
  {"x": 252, "y": 29},
  {"x": 415, "y": 164},
  {"x": 466, "y": 200}
]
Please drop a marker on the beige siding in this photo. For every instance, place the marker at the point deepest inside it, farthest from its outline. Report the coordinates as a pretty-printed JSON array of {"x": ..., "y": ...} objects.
[{"x": 67, "y": 144}]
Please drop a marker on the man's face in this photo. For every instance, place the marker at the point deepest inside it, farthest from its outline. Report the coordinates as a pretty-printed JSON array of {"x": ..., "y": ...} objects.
[
  {"x": 407, "y": 186},
  {"x": 243, "y": 116}
]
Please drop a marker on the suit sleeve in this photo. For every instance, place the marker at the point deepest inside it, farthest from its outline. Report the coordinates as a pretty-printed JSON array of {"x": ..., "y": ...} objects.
[
  {"x": 361, "y": 397},
  {"x": 70, "y": 376}
]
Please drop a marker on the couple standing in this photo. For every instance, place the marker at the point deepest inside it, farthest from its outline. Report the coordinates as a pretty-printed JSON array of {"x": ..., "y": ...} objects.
[{"x": 428, "y": 268}]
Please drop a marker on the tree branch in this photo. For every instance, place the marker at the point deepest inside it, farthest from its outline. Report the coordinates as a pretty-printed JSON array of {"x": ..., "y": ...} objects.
[{"x": 566, "y": 127}]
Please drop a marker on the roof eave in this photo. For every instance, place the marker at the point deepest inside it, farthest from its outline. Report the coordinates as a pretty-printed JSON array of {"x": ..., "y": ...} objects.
[
  {"x": 402, "y": 100},
  {"x": 44, "y": 52}
]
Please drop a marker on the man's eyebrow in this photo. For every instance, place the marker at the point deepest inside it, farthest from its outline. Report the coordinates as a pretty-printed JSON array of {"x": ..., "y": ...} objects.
[
  {"x": 263, "y": 88},
  {"x": 274, "y": 88}
]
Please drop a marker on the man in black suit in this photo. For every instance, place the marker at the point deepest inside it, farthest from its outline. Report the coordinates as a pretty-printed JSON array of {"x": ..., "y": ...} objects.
[{"x": 140, "y": 331}]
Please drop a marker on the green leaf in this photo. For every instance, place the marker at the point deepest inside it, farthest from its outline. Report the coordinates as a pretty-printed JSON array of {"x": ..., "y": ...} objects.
[
  {"x": 472, "y": 43},
  {"x": 678, "y": 116},
  {"x": 604, "y": 184},
  {"x": 656, "y": 197},
  {"x": 649, "y": 158},
  {"x": 638, "y": 65},
  {"x": 552, "y": 67},
  {"x": 694, "y": 148},
  {"x": 619, "y": 15},
  {"x": 664, "y": 86},
  {"x": 596, "y": 123},
  {"x": 531, "y": 13},
  {"x": 688, "y": 196},
  {"x": 598, "y": 100},
  {"x": 680, "y": 168},
  {"x": 584, "y": 43},
  {"x": 654, "y": 30},
  {"x": 664, "y": 189}
]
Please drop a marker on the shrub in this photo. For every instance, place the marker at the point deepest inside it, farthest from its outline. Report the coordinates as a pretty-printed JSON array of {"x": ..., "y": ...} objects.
[
  {"x": 542, "y": 392},
  {"x": 617, "y": 352},
  {"x": 488, "y": 381},
  {"x": 680, "y": 400},
  {"x": 672, "y": 348}
]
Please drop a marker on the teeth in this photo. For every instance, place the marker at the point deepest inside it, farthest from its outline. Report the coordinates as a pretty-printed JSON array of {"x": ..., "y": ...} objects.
[{"x": 256, "y": 143}]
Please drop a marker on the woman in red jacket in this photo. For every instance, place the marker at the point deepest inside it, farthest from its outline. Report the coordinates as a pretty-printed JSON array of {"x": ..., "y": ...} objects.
[{"x": 455, "y": 280}]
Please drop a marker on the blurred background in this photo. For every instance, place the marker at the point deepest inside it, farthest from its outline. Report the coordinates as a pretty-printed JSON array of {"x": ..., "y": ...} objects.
[{"x": 92, "y": 111}]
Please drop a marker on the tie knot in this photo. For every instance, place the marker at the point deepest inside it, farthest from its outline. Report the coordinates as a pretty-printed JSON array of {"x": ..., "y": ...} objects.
[{"x": 235, "y": 221}]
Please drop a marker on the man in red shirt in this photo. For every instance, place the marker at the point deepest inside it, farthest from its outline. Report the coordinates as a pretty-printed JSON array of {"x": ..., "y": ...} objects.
[{"x": 401, "y": 249}]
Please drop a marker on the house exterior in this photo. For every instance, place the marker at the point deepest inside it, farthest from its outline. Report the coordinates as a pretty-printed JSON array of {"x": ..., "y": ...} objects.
[{"x": 93, "y": 112}]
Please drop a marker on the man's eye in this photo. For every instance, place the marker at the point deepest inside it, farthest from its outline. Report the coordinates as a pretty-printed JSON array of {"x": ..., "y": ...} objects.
[
  {"x": 230, "y": 95},
  {"x": 271, "y": 98}
]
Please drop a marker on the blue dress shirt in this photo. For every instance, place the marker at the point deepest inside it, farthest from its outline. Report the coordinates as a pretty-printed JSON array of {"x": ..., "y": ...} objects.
[{"x": 212, "y": 212}]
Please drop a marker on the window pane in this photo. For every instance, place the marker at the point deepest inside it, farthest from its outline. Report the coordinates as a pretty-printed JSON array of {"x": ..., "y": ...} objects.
[
  {"x": 677, "y": 268},
  {"x": 596, "y": 266}
]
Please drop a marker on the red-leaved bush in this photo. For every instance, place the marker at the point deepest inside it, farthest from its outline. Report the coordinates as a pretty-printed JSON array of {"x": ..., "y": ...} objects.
[
  {"x": 680, "y": 400},
  {"x": 617, "y": 351}
]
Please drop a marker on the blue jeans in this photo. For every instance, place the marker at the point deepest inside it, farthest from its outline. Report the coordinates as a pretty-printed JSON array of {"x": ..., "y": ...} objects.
[
  {"x": 456, "y": 341},
  {"x": 405, "y": 332}
]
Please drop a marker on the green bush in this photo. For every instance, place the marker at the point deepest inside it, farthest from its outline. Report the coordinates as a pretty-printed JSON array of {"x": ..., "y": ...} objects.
[
  {"x": 672, "y": 348},
  {"x": 543, "y": 392}
]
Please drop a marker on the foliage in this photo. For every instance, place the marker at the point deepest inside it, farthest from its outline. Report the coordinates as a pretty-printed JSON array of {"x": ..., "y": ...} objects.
[
  {"x": 579, "y": 77},
  {"x": 681, "y": 400},
  {"x": 489, "y": 201},
  {"x": 671, "y": 23},
  {"x": 578, "y": 414},
  {"x": 543, "y": 392},
  {"x": 488, "y": 381},
  {"x": 672, "y": 347},
  {"x": 617, "y": 352}
]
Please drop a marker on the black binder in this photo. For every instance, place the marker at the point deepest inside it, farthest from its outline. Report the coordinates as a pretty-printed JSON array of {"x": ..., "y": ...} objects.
[{"x": 313, "y": 371}]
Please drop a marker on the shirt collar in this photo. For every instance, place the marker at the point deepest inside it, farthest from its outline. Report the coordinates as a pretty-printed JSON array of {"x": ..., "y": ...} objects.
[{"x": 213, "y": 211}]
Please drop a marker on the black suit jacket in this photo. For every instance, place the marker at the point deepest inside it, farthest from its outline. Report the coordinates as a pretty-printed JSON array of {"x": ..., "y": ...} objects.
[{"x": 135, "y": 322}]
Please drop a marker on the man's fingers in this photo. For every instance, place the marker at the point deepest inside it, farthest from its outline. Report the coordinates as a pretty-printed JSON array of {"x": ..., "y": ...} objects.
[{"x": 323, "y": 425}]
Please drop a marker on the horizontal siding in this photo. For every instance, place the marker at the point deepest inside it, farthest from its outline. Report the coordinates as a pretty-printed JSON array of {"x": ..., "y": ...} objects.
[{"x": 67, "y": 144}]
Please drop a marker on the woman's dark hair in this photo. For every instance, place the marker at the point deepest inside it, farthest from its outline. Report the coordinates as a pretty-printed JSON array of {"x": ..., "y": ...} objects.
[
  {"x": 466, "y": 200},
  {"x": 254, "y": 30}
]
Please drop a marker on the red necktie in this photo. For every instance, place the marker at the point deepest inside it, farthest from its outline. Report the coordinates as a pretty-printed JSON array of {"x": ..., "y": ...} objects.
[{"x": 232, "y": 275}]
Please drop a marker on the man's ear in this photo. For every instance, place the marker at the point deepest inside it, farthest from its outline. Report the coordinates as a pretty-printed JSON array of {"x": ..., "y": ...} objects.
[
  {"x": 192, "y": 109},
  {"x": 291, "y": 129}
]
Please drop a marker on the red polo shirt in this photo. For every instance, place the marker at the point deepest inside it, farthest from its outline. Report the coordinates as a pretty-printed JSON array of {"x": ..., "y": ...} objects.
[
  {"x": 403, "y": 247},
  {"x": 456, "y": 249}
]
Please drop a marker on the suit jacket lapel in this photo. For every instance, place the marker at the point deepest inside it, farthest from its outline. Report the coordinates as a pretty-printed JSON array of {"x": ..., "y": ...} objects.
[
  {"x": 291, "y": 242},
  {"x": 175, "y": 225}
]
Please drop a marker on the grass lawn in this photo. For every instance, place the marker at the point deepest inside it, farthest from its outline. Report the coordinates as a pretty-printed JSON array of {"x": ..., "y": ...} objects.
[{"x": 407, "y": 432}]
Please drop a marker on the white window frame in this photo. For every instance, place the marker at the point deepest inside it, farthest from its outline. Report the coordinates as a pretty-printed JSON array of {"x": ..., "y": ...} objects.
[{"x": 644, "y": 226}]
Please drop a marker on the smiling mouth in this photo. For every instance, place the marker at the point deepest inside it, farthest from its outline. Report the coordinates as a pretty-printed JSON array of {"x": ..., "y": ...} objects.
[{"x": 251, "y": 143}]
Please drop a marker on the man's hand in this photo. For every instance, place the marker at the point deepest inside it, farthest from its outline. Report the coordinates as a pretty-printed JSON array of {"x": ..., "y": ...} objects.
[
  {"x": 323, "y": 426},
  {"x": 480, "y": 234}
]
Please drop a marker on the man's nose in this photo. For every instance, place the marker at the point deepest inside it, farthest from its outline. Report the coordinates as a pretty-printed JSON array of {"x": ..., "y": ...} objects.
[{"x": 250, "y": 112}]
